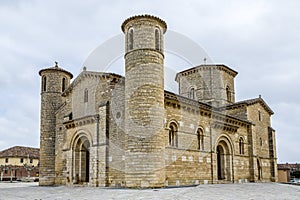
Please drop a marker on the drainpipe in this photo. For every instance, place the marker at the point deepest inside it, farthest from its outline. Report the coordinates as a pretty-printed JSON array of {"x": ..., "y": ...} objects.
[
  {"x": 97, "y": 152},
  {"x": 232, "y": 167},
  {"x": 107, "y": 143},
  {"x": 211, "y": 156},
  {"x": 210, "y": 84}
]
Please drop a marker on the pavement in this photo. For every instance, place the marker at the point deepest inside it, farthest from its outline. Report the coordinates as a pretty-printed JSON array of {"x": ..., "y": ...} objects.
[{"x": 249, "y": 191}]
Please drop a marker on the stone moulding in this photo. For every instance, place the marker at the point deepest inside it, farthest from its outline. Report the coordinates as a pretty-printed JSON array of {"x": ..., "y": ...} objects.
[{"x": 81, "y": 121}]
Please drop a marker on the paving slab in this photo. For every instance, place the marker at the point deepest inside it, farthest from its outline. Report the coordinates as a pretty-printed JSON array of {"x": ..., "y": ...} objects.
[{"x": 249, "y": 191}]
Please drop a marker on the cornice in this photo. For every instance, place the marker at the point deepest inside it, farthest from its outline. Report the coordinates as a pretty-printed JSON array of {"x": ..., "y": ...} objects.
[
  {"x": 195, "y": 69},
  {"x": 146, "y": 16}
]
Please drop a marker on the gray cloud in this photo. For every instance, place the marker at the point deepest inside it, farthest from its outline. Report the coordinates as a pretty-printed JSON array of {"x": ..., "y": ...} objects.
[{"x": 259, "y": 39}]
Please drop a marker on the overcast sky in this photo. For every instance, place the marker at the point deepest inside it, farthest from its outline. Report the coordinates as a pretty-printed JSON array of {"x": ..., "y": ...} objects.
[{"x": 258, "y": 38}]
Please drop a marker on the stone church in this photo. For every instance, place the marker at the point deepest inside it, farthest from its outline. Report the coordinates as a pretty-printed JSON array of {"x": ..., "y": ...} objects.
[{"x": 103, "y": 129}]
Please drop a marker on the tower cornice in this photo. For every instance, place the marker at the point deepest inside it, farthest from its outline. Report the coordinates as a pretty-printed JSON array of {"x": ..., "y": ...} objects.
[{"x": 162, "y": 22}]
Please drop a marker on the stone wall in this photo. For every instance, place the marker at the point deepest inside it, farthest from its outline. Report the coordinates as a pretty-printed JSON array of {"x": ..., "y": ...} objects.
[
  {"x": 261, "y": 120},
  {"x": 209, "y": 82},
  {"x": 188, "y": 165}
]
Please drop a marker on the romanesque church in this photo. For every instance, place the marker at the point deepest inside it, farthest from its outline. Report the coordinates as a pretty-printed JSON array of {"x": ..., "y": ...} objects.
[{"x": 103, "y": 129}]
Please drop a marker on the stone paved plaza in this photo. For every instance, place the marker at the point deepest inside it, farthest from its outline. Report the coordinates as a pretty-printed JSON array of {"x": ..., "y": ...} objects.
[{"x": 218, "y": 191}]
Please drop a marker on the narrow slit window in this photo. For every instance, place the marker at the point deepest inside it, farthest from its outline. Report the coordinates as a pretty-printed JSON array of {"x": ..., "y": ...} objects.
[
  {"x": 130, "y": 37},
  {"x": 157, "y": 40},
  {"x": 63, "y": 84},
  {"x": 192, "y": 93},
  {"x": 261, "y": 142},
  {"x": 200, "y": 139},
  {"x": 86, "y": 95},
  {"x": 44, "y": 83},
  {"x": 228, "y": 93},
  {"x": 241, "y": 146}
]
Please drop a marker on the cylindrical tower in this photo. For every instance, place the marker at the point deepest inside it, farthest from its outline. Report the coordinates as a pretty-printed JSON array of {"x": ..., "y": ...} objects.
[
  {"x": 144, "y": 101},
  {"x": 54, "y": 81}
]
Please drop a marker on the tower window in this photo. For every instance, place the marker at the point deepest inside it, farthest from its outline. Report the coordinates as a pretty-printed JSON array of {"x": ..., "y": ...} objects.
[
  {"x": 6, "y": 160},
  {"x": 130, "y": 39},
  {"x": 21, "y": 160},
  {"x": 86, "y": 95},
  {"x": 173, "y": 141},
  {"x": 259, "y": 115},
  {"x": 192, "y": 93},
  {"x": 200, "y": 139},
  {"x": 228, "y": 93},
  {"x": 241, "y": 146},
  {"x": 63, "y": 84},
  {"x": 261, "y": 142},
  {"x": 70, "y": 116},
  {"x": 44, "y": 83},
  {"x": 157, "y": 40}
]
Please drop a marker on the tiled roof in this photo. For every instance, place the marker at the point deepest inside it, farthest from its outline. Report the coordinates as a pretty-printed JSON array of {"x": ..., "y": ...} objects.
[
  {"x": 288, "y": 166},
  {"x": 90, "y": 74},
  {"x": 206, "y": 67},
  {"x": 56, "y": 68},
  {"x": 250, "y": 102},
  {"x": 18, "y": 151}
]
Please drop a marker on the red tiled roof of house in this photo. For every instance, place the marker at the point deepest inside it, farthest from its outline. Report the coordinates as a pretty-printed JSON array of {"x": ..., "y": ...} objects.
[
  {"x": 288, "y": 166},
  {"x": 19, "y": 151}
]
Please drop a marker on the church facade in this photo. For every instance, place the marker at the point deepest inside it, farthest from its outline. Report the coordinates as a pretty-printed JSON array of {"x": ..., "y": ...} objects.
[{"x": 103, "y": 129}]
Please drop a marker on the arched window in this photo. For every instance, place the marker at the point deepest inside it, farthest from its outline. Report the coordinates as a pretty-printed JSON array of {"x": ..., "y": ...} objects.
[
  {"x": 130, "y": 39},
  {"x": 192, "y": 93},
  {"x": 63, "y": 84},
  {"x": 228, "y": 93},
  {"x": 259, "y": 115},
  {"x": 157, "y": 40},
  {"x": 200, "y": 139},
  {"x": 241, "y": 146},
  {"x": 173, "y": 141},
  {"x": 86, "y": 95},
  {"x": 44, "y": 83}
]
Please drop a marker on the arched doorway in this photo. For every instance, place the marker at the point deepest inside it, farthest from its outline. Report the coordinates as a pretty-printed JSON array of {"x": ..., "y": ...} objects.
[
  {"x": 81, "y": 161},
  {"x": 259, "y": 172},
  {"x": 224, "y": 160}
]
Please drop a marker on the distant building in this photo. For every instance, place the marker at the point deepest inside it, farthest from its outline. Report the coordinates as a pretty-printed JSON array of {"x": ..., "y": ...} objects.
[
  {"x": 285, "y": 171},
  {"x": 17, "y": 162}
]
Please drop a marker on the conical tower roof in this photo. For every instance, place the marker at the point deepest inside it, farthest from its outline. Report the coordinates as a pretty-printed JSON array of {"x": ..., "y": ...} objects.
[{"x": 56, "y": 68}]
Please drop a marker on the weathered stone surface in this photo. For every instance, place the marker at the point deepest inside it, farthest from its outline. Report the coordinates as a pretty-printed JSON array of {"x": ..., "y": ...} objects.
[{"x": 107, "y": 130}]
